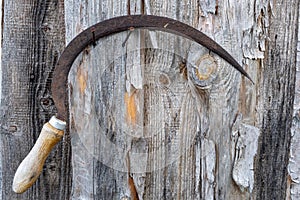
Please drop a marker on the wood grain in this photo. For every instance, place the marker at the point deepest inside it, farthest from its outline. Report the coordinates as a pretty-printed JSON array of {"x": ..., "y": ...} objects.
[
  {"x": 293, "y": 191},
  {"x": 87, "y": 146},
  {"x": 164, "y": 99},
  {"x": 32, "y": 39},
  {"x": 278, "y": 88},
  {"x": 143, "y": 103}
]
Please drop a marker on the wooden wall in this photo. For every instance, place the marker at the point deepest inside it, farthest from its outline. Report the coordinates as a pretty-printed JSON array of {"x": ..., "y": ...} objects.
[
  {"x": 32, "y": 39},
  {"x": 142, "y": 124}
]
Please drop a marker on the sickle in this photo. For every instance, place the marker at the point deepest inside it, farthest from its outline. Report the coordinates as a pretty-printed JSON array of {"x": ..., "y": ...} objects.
[{"x": 52, "y": 132}]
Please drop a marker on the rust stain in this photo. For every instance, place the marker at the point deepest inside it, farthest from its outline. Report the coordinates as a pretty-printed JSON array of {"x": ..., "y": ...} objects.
[
  {"x": 183, "y": 69},
  {"x": 243, "y": 99},
  {"x": 133, "y": 191},
  {"x": 128, "y": 7},
  {"x": 143, "y": 10},
  {"x": 131, "y": 110},
  {"x": 81, "y": 79}
]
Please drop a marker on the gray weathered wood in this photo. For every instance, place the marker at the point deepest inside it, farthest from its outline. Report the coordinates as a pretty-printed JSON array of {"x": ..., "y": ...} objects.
[
  {"x": 294, "y": 162},
  {"x": 92, "y": 178},
  {"x": 32, "y": 39},
  {"x": 210, "y": 176},
  {"x": 219, "y": 157},
  {"x": 278, "y": 87},
  {"x": 142, "y": 125}
]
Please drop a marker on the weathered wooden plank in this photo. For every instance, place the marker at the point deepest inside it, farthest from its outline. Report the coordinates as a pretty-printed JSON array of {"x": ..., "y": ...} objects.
[
  {"x": 1, "y": 151},
  {"x": 278, "y": 87},
  {"x": 293, "y": 191},
  {"x": 93, "y": 108},
  {"x": 32, "y": 36},
  {"x": 144, "y": 125},
  {"x": 177, "y": 179}
]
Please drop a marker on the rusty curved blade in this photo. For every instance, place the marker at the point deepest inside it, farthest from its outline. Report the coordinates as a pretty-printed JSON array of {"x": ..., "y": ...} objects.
[{"x": 116, "y": 25}]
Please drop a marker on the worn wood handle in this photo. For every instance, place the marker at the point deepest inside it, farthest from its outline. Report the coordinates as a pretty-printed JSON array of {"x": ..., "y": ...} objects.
[{"x": 31, "y": 167}]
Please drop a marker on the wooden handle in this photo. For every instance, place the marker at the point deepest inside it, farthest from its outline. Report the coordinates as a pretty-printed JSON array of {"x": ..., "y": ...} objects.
[{"x": 31, "y": 167}]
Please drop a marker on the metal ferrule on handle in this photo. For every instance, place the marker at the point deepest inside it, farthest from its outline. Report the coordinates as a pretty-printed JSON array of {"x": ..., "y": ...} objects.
[{"x": 31, "y": 167}]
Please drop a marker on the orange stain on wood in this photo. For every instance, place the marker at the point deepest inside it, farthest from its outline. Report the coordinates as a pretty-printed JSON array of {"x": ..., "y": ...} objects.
[
  {"x": 131, "y": 109},
  {"x": 81, "y": 79},
  {"x": 133, "y": 191}
]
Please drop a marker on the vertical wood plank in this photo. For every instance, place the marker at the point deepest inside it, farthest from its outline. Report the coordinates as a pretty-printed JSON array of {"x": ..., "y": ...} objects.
[
  {"x": 1, "y": 162},
  {"x": 96, "y": 81},
  {"x": 293, "y": 191},
  {"x": 222, "y": 103},
  {"x": 32, "y": 39},
  {"x": 278, "y": 88}
]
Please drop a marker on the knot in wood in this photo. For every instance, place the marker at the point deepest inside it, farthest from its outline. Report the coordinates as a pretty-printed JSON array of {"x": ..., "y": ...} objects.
[{"x": 204, "y": 71}]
